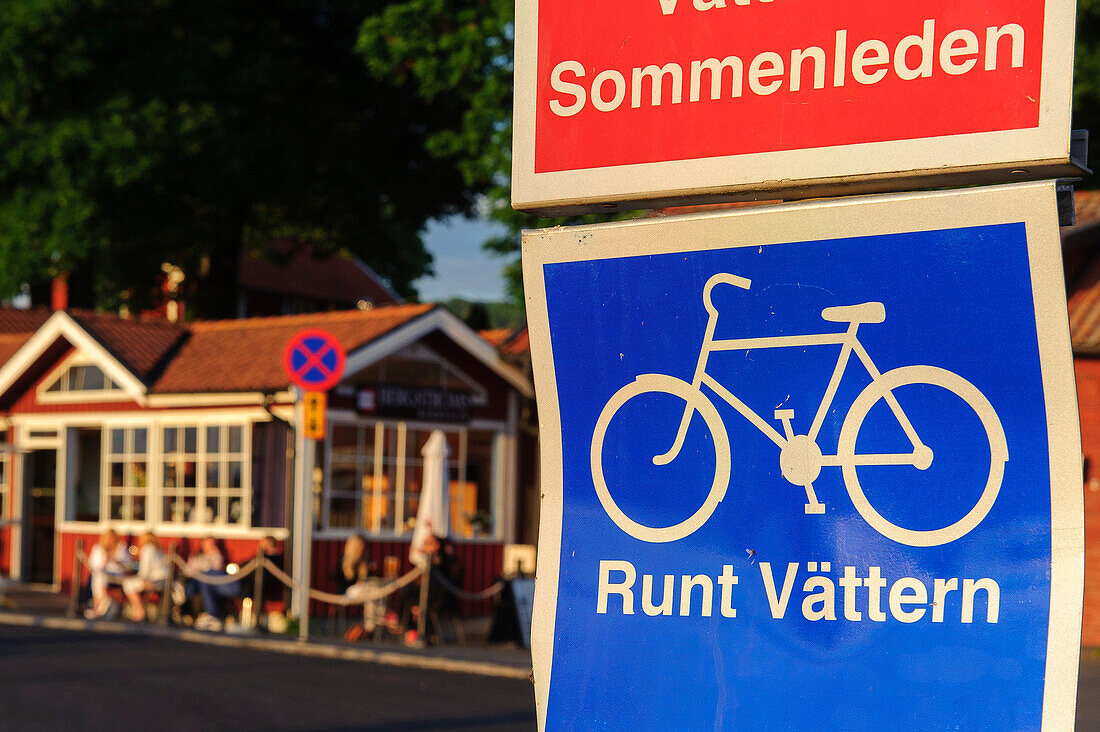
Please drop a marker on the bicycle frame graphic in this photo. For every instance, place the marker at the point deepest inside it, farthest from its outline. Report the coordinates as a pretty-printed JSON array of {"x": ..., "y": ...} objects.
[{"x": 800, "y": 457}]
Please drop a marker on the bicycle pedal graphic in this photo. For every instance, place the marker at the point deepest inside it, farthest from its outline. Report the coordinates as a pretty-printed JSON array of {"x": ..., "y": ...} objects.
[{"x": 801, "y": 459}]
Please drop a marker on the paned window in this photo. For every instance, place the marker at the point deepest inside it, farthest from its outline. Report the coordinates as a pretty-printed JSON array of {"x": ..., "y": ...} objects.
[
  {"x": 203, "y": 474},
  {"x": 127, "y": 473},
  {"x": 82, "y": 378},
  {"x": 375, "y": 477},
  {"x": 351, "y": 459}
]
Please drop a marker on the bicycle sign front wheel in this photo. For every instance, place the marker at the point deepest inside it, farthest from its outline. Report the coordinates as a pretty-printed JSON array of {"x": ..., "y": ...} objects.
[
  {"x": 693, "y": 401},
  {"x": 852, "y": 461}
]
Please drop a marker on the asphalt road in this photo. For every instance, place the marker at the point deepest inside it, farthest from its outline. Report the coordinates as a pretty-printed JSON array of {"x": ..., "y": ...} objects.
[
  {"x": 1088, "y": 692},
  {"x": 67, "y": 680},
  {"x": 55, "y": 679}
]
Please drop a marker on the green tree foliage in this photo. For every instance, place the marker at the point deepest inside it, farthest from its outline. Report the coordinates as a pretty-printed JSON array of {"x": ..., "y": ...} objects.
[
  {"x": 1086, "y": 78},
  {"x": 486, "y": 315},
  {"x": 478, "y": 317},
  {"x": 137, "y": 132},
  {"x": 462, "y": 49}
]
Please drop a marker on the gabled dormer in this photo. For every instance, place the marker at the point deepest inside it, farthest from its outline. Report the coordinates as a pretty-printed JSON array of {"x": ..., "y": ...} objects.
[
  {"x": 89, "y": 357},
  {"x": 79, "y": 379}
]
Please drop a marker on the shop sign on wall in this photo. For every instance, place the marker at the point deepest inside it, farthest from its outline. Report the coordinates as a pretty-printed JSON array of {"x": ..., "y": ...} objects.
[{"x": 415, "y": 402}]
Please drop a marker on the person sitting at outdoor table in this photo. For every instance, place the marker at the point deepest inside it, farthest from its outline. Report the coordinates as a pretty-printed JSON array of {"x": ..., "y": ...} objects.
[
  {"x": 352, "y": 579},
  {"x": 354, "y": 567},
  {"x": 108, "y": 559},
  {"x": 211, "y": 562},
  {"x": 271, "y": 601},
  {"x": 151, "y": 572},
  {"x": 443, "y": 564},
  {"x": 272, "y": 590}
]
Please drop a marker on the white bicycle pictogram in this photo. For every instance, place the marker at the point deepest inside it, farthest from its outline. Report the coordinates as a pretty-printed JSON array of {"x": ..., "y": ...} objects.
[{"x": 800, "y": 457}]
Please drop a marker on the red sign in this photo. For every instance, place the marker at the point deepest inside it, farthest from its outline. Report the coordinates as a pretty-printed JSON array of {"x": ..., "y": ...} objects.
[
  {"x": 314, "y": 360},
  {"x": 635, "y": 82}
]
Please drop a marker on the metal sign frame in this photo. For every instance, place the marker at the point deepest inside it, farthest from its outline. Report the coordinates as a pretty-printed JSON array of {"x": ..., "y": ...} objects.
[
  {"x": 1042, "y": 152},
  {"x": 1032, "y": 204}
]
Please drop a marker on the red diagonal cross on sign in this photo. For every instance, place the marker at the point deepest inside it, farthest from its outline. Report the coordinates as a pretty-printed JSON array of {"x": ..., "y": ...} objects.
[{"x": 313, "y": 360}]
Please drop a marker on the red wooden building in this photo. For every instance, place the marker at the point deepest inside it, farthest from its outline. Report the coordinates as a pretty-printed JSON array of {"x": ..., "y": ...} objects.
[
  {"x": 1081, "y": 258},
  {"x": 190, "y": 430}
]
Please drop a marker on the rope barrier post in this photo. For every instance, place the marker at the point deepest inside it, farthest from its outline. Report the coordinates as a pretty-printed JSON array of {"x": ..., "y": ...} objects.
[
  {"x": 258, "y": 587},
  {"x": 74, "y": 581},
  {"x": 422, "y": 621},
  {"x": 164, "y": 613}
]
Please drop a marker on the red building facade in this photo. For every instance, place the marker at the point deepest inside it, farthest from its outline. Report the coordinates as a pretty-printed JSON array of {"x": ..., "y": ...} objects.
[{"x": 194, "y": 430}]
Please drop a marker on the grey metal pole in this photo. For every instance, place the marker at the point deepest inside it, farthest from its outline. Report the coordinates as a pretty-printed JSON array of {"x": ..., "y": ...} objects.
[
  {"x": 74, "y": 581},
  {"x": 302, "y": 521}
]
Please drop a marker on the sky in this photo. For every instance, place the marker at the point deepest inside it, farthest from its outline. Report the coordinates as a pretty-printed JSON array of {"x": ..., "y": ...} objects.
[{"x": 462, "y": 268}]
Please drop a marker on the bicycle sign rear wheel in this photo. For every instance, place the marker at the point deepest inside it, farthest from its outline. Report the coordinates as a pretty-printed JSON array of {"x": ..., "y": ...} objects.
[
  {"x": 693, "y": 400},
  {"x": 852, "y": 461}
]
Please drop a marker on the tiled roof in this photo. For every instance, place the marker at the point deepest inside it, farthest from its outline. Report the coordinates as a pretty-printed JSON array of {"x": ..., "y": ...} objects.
[
  {"x": 1084, "y": 309},
  {"x": 496, "y": 336},
  {"x": 1087, "y": 204},
  {"x": 210, "y": 356},
  {"x": 518, "y": 343},
  {"x": 10, "y": 343},
  {"x": 1081, "y": 263},
  {"x": 508, "y": 341},
  {"x": 16, "y": 328},
  {"x": 22, "y": 321},
  {"x": 140, "y": 345},
  {"x": 247, "y": 354},
  {"x": 291, "y": 269}
]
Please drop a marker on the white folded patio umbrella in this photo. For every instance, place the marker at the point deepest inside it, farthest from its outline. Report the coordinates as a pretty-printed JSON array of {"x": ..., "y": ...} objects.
[{"x": 432, "y": 515}]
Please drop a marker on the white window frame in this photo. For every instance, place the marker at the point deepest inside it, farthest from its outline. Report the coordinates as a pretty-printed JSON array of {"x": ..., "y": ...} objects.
[
  {"x": 104, "y": 423},
  {"x": 379, "y": 462},
  {"x": 68, "y": 466},
  {"x": 127, "y": 457},
  {"x": 44, "y": 396},
  {"x": 59, "y": 424},
  {"x": 401, "y": 468},
  {"x": 202, "y": 460},
  {"x": 361, "y": 462}
]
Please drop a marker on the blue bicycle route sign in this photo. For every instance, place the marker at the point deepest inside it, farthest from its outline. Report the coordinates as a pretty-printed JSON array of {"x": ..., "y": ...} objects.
[{"x": 818, "y": 467}]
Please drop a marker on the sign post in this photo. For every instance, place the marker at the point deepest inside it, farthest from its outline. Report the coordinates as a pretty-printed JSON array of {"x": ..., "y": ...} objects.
[
  {"x": 314, "y": 361},
  {"x": 808, "y": 465}
]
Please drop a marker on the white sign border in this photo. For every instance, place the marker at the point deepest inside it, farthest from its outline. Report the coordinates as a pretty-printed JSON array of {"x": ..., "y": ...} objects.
[
  {"x": 1032, "y": 203},
  {"x": 1040, "y": 152}
]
